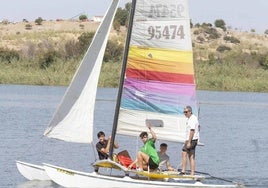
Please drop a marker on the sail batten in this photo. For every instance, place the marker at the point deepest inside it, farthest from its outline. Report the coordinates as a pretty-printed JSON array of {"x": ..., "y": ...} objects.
[
  {"x": 73, "y": 120},
  {"x": 159, "y": 78}
]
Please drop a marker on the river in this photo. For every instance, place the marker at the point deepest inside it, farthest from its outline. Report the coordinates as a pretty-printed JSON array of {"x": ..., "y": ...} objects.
[{"x": 233, "y": 127}]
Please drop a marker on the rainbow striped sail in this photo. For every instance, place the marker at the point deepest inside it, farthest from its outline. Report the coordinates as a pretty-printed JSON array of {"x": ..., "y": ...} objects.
[{"x": 159, "y": 78}]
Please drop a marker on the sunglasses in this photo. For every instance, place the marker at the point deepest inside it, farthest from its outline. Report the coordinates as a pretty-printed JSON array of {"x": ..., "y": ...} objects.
[{"x": 185, "y": 112}]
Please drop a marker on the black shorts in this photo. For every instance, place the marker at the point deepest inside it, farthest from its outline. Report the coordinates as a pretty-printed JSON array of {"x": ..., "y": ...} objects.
[
  {"x": 192, "y": 148},
  {"x": 152, "y": 164}
]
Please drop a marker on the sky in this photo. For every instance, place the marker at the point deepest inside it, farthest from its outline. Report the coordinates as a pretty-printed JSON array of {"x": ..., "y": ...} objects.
[{"x": 242, "y": 15}]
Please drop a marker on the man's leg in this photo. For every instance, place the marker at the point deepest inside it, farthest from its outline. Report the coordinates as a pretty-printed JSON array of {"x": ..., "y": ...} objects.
[
  {"x": 143, "y": 160},
  {"x": 184, "y": 161},
  {"x": 192, "y": 161}
]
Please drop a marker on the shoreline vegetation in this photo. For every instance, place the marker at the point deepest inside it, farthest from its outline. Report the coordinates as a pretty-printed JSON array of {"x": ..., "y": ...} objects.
[{"x": 48, "y": 54}]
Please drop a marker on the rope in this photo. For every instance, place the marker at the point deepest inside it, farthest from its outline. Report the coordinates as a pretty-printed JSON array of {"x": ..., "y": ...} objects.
[{"x": 39, "y": 139}]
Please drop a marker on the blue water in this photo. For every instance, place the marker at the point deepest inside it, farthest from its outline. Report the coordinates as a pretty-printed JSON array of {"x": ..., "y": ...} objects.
[{"x": 234, "y": 130}]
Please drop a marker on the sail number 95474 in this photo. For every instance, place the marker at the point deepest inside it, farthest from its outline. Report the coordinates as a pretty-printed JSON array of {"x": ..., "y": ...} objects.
[{"x": 166, "y": 32}]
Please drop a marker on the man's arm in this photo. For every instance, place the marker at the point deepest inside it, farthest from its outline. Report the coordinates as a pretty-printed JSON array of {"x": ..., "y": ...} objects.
[
  {"x": 169, "y": 167},
  {"x": 151, "y": 131},
  {"x": 116, "y": 144},
  {"x": 106, "y": 150}
]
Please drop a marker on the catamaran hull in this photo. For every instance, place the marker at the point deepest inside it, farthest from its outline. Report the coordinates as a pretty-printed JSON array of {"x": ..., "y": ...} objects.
[
  {"x": 31, "y": 171},
  {"x": 70, "y": 178}
]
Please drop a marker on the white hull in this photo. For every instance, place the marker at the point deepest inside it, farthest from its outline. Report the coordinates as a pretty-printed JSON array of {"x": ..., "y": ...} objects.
[
  {"x": 71, "y": 178},
  {"x": 31, "y": 171}
]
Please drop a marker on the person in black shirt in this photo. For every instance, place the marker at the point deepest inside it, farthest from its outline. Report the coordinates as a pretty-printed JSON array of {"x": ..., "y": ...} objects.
[{"x": 103, "y": 145}]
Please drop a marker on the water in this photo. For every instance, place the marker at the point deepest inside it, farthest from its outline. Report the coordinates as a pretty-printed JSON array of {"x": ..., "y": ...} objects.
[{"x": 234, "y": 130}]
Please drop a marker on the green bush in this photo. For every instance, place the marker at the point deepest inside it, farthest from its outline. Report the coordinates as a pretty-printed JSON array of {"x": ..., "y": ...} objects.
[
  {"x": 197, "y": 25},
  {"x": 263, "y": 61},
  {"x": 81, "y": 26},
  {"x": 71, "y": 49},
  {"x": 213, "y": 34},
  {"x": 7, "y": 55},
  {"x": 85, "y": 40},
  {"x": 28, "y": 26},
  {"x": 48, "y": 58},
  {"x": 206, "y": 25},
  {"x": 196, "y": 32},
  {"x": 113, "y": 52},
  {"x": 116, "y": 25},
  {"x": 231, "y": 39},
  {"x": 223, "y": 48},
  {"x": 200, "y": 39}
]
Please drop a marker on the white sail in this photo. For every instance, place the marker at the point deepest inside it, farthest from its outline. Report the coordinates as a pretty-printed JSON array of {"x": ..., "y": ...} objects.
[{"x": 73, "y": 120}]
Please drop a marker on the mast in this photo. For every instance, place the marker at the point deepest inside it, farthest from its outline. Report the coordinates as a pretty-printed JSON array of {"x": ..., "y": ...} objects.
[{"x": 120, "y": 89}]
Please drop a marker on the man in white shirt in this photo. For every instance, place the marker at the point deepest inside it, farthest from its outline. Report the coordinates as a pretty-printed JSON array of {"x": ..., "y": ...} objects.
[{"x": 192, "y": 136}]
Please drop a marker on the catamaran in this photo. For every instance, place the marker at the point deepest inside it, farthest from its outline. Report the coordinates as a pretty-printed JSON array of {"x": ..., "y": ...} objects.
[{"x": 157, "y": 81}]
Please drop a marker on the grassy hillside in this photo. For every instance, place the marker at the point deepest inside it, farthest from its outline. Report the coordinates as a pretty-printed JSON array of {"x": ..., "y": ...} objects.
[{"x": 231, "y": 60}]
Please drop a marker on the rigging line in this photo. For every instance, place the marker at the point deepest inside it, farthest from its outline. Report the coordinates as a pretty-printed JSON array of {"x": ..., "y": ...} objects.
[
  {"x": 137, "y": 147},
  {"x": 31, "y": 146},
  {"x": 94, "y": 152}
]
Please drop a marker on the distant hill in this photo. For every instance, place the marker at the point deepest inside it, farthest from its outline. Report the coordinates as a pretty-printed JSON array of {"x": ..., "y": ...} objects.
[
  {"x": 212, "y": 43},
  {"x": 46, "y": 54},
  {"x": 205, "y": 40}
]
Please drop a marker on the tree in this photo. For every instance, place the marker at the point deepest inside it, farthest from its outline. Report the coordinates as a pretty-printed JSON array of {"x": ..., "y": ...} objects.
[
  {"x": 252, "y": 30},
  {"x": 231, "y": 39},
  {"x": 121, "y": 16},
  {"x": 220, "y": 24},
  {"x": 128, "y": 7},
  {"x": 266, "y": 32},
  {"x": 38, "y": 21},
  {"x": 83, "y": 17}
]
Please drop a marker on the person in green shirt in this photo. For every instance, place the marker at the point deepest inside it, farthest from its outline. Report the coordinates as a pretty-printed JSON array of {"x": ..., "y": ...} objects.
[{"x": 147, "y": 156}]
